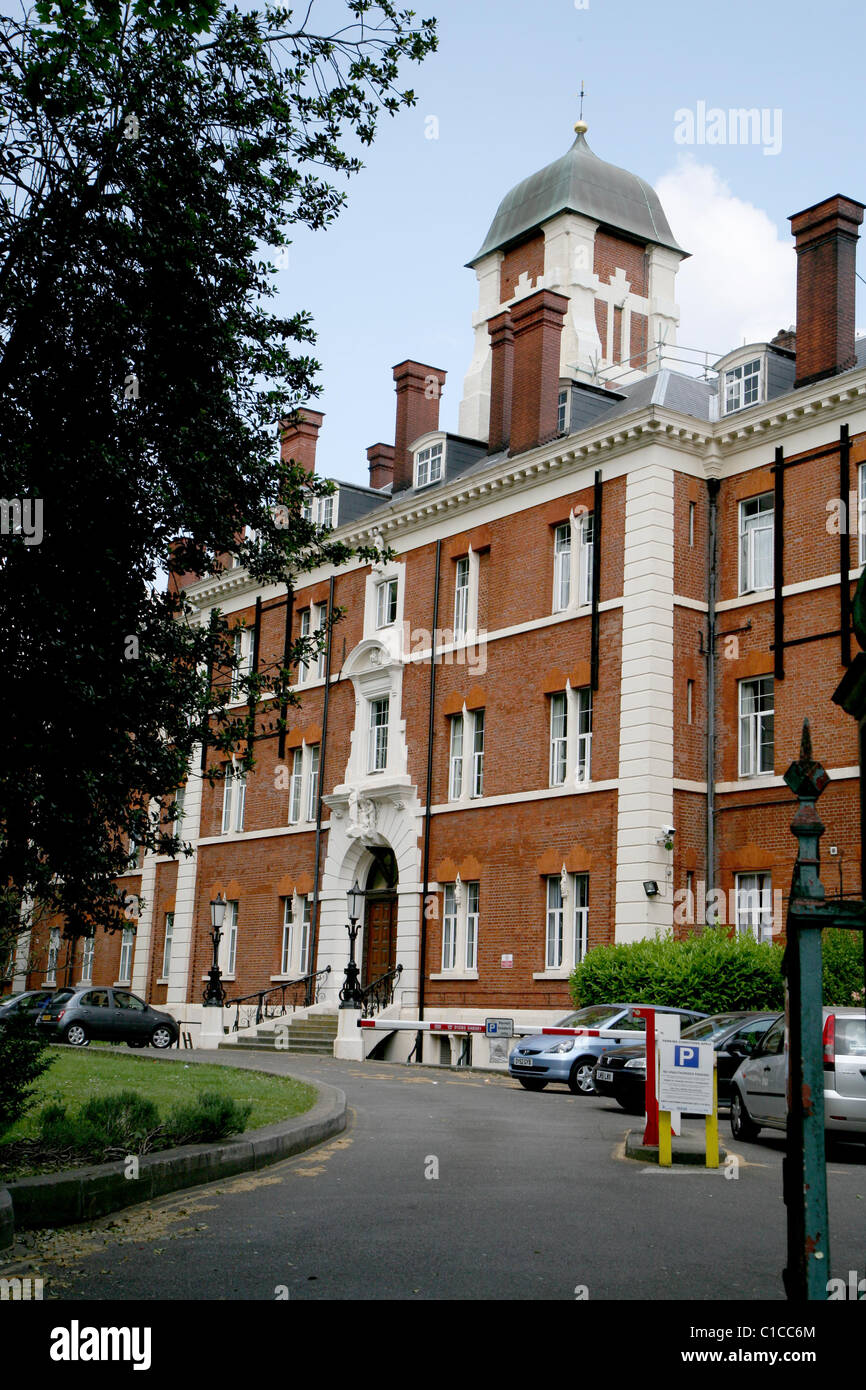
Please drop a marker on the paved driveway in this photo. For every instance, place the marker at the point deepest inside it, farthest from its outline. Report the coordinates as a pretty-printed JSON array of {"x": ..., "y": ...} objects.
[{"x": 533, "y": 1200}]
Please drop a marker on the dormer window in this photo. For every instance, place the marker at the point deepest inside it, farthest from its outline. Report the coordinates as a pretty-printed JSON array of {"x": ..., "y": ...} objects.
[
  {"x": 428, "y": 465},
  {"x": 743, "y": 386},
  {"x": 562, "y": 412}
]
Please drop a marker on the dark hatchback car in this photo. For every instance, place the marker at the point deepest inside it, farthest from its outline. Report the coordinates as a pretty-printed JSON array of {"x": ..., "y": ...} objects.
[
  {"x": 26, "y": 1006},
  {"x": 107, "y": 1015},
  {"x": 622, "y": 1074}
]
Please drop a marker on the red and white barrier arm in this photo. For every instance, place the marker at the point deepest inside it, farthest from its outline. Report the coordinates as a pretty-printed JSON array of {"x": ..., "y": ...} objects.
[{"x": 522, "y": 1030}]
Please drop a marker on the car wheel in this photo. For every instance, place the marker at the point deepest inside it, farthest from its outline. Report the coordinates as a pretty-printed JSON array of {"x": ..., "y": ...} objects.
[
  {"x": 76, "y": 1035},
  {"x": 742, "y": 1127},
  {"x": 162, "y": 1036},
  {"x": 531, "y": 1083},
  {"x": 580, "y": 1081}
]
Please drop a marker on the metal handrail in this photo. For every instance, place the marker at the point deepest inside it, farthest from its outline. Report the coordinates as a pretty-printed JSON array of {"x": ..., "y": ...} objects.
[
  {"x": 267, "y": 1010},
  {"x": 379, "y": 993}
]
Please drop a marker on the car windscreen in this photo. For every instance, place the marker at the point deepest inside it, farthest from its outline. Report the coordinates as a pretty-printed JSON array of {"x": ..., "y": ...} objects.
[
  {"x": 711, "y": 1027},
  {"x": 10, "y": 999},
  {"x": 593, "y": 1016},
  {"x": 850, "y": 1037}
]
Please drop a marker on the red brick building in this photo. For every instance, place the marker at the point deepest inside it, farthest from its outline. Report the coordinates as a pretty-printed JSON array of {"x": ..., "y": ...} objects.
[{"x": 559, "y": 716}]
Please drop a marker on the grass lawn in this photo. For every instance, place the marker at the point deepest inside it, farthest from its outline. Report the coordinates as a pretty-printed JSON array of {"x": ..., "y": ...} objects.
[{"x": 78, "y": 1074}]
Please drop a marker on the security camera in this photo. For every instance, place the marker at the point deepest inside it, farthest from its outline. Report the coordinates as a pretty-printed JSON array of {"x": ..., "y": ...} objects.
[{"x": 669, "y": 831}]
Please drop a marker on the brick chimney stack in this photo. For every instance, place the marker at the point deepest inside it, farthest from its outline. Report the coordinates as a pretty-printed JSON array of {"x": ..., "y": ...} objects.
[
  {"x": 419, "y": 389},
  {"x": 299, "y": 435},
  {"x": 537, "y": 322},
  {"x": 825, "y": 239},
  {"x": 381, "y": 460},
  {"x": 501, "y": 332}
]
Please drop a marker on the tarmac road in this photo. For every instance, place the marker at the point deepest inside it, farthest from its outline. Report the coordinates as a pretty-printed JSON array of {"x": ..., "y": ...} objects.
[{"x": 533, "y": 1200}]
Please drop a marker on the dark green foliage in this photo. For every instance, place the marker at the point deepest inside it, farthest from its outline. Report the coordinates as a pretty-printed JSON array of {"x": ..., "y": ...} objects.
[
  {"x": 104, "y": 1127},
  {"x": 23, "y": 1059},
  {"x": 154, "y": 160},
  {"x": 842, "y": 957},
  {"x": 713, "y": 971},
  {"x": 210, "y": 1116}
]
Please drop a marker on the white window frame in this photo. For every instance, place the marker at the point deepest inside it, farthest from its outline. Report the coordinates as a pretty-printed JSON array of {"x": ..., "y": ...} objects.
[
  {"x": 756, "y": 521},
  {"x": 562, "y": 410},
  {"x": 562, "y": 554},
  {"x": 462, "y": 585},
  {"x": 305, "y": 618},
  {"x": 461, "y": 914},
  {"x": 322, "y": 657},
  {"x": 234, "y": 800},
  {"x": 570, "y": 738},
  {"x": 430, "y": 464},
  {"x": 558, "y": 771},
  {"x": 455, "y": 758},
  {"x": 861, "y": 515},
  {"x": 228, "y": 953},
  {"x": 54, "y": 942},
  {"x": 167, "y": 940},
  {"x": 313, "y": 781},
  {"x": 304, "y": 783},
  {"x": 326, "y": 510},
  {"x": 742, "y": 381},
  {"x": 580, "y": 917},
  {"x": 554, "y": 934},
  {"x": 88, "y": 946},
  {"x": 305, "y": 944},
  {"x": 127, "y": 951},
  {"x": 754, "y": 905},
  {"x": 750, "y": 726},
  {"x": 377, "y": 733},
  {"x": 387, "y": 595},
  {"x": 242, "y": 638},
  {"x": 296, "y": 786},
  {"x": 585, "y": 525},
  {"x": 288, "y": 933},
  {"x": 466, "y": 755}
]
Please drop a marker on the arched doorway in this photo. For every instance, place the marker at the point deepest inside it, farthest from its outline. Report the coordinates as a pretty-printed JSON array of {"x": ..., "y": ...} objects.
[{"x": 380, "y": 917}]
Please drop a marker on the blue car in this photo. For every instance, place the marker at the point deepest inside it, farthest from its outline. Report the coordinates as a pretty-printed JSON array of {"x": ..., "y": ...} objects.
[{"x": 537, "y": 1060}]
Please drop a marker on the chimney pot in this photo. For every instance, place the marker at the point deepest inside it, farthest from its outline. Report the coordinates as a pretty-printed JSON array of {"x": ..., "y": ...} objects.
[
  {"x": 419, "y": 389},
  {"x": 501, "y": 332},
  {"x": 381, "y": 460},
  {"x": 825, "y": 239},
  {"x": 299, "y": 435},
  {"x": 537, "y": 322}
]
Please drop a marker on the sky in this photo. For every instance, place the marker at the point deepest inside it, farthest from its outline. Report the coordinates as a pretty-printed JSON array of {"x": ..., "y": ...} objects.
[{"x": 388, "y": 280}]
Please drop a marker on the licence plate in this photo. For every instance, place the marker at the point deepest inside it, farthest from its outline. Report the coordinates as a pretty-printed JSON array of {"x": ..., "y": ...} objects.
[
  {"x": 522, "y": 1061},
  {"x": 604, "y": 1075}
]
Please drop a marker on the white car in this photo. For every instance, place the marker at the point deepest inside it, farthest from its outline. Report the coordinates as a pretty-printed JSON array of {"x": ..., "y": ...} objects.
[{"x": 758, "y": 1091}]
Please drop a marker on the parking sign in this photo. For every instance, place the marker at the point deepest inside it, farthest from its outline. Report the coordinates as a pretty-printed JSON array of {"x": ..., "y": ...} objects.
[{"x": 686, "y": 1077}]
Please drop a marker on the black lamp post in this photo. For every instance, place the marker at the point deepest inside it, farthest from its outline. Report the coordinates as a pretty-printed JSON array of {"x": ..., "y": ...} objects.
[
  {"x": 351, "y": 996},
  {"x": 214, "y": 991}
]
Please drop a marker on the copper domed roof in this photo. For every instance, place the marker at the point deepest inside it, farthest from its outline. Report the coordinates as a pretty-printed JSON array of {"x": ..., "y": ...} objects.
[{"x": 580, "y": 182}]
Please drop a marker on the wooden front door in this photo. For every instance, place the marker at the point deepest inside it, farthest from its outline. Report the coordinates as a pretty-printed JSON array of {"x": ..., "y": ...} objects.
[{"x": 380, "y": 938}]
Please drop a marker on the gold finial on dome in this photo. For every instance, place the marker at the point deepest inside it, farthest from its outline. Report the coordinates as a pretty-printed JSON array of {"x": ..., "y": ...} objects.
[{"x": 581, "y": 126}]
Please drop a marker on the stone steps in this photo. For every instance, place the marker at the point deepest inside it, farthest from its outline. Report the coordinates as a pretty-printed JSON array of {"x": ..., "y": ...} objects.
[{"x": 310, "y": 1037}]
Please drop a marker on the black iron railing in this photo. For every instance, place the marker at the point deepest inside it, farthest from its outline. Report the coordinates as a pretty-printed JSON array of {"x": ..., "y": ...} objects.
[
  {"x": 276, "y": 1001},
  {"x": 380, "y": 993}
]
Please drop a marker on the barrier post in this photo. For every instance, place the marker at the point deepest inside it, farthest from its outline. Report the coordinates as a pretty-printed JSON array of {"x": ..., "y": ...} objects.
[
  {"x": 665, "y": 1149},
  {"x": 711, "y": 1123},
  {"x": 651, "y": 1131}
]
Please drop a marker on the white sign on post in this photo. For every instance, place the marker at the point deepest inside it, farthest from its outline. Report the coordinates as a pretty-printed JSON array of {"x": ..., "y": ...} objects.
[{"x": 686, "y": 1077}]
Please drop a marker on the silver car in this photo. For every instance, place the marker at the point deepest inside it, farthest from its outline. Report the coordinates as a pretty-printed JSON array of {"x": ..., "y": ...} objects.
[
  {"x": 539, "y": 1059},
  {"x": 759, "y": 1088}
]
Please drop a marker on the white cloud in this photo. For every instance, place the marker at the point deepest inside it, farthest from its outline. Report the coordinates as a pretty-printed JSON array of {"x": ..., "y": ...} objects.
[{"x": 740, "y": 283}]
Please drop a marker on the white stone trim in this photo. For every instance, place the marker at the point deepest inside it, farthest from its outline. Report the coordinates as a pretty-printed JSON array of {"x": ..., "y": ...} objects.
[{"x": 182, "y": 940}]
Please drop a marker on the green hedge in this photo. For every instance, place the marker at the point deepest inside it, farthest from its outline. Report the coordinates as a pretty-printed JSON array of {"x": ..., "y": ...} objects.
[{"x": 712, "y": 971}]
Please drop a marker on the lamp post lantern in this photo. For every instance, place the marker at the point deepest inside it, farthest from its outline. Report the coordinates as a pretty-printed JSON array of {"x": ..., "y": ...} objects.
[
  {"x": 214, "y": 990},
  {"x": 351, "y": 996}
]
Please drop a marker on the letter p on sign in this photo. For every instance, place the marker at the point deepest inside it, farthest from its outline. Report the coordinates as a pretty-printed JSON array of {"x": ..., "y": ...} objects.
[{"x": 685, "y": 1056}]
